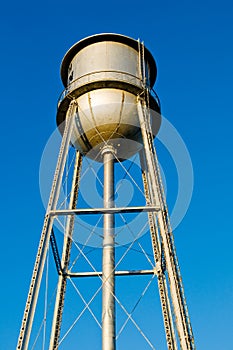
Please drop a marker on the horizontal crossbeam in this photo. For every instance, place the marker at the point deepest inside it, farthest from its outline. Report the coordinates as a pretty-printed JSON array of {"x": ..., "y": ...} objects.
[
  {"x": 88, "y": 211},
  {"x": 117, "y": 273}
]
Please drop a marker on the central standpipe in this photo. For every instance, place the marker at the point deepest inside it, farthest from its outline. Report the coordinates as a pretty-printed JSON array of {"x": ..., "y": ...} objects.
[{"x": 108, "y": 265}]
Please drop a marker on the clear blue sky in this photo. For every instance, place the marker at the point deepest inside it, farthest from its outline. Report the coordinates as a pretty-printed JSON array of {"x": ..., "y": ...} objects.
[{"x": 192, "y": 44}]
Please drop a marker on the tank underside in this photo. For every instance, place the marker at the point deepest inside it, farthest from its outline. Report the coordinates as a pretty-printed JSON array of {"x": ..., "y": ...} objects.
[{"x": 107, "y": 116}]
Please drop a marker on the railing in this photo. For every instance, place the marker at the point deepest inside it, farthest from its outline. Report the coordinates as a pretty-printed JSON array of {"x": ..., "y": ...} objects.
[
  {"x": 110, "y": 75},
  {"x": 155, "y": 96}
]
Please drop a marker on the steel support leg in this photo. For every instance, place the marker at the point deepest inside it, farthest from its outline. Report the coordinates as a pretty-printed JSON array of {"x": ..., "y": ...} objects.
[
  {"x": 176, "y": 289},
  {"x": 62, "y": 279},
  {"x": 28, "y": 317},
  {"x": 108, "y": 282},
  {"x": 161, "y": 279}
]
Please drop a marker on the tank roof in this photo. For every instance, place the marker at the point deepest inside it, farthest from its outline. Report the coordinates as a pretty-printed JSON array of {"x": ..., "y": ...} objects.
[{"x": 105, "y": 37}]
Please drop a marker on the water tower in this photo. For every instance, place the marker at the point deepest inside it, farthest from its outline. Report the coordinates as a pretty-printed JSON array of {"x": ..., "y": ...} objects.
[{"x": 109, "y": 112}]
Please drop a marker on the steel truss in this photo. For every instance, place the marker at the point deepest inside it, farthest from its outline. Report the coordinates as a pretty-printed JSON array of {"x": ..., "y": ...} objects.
[
  {"x": 165, "y": 258},
  {"x": 26, "y": 327},
  {"x": 164, "y": 251}
]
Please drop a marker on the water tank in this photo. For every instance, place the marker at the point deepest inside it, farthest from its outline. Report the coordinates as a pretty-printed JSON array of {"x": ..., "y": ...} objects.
[{"x": 104, "y": 75}]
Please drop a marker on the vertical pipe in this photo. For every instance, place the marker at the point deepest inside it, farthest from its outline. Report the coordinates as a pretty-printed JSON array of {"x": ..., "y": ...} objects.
[{"x": 108, "y": 264}]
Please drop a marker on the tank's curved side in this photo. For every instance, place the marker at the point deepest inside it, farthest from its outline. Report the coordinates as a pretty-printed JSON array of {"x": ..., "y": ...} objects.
[{"x": 105, "y": 37}]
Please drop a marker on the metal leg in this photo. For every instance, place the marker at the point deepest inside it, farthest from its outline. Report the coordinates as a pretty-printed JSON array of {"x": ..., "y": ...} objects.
[
  {"x": 176, "y": 289},
  {"x": 108, "y": 287},
  {"x": 156, "y": 246},
  {"x": 26, "y": 327},
  {"x": 62, "y": 279}
]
